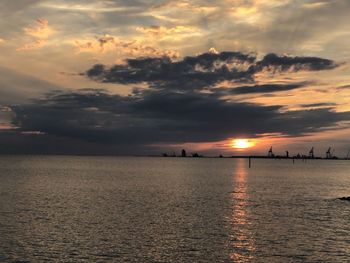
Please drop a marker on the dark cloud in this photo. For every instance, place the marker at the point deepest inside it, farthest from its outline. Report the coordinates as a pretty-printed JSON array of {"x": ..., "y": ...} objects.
[
  {"x": 285, "y": 63},
  {"x": 314, "y": 105},
  {"x": 151, "y": 117},
  {"x": 191, "y": 72},
  {"x": 203, "y": 70},
  {"x": 265, "y": 88},
  {"x": 344, "y": 87},
  {"x": 31, "y": 143}
]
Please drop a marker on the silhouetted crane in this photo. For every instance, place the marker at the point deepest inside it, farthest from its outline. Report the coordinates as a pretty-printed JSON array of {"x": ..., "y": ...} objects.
[
  {"x": 328, "y": 153},
  {"x": 270, "y": 153},
  {"x": 311, "y": 153}
]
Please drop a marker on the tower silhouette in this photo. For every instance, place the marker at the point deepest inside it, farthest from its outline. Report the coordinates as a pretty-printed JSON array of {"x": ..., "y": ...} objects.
[
  {"x": 311, "y": 153},
  {"x": 270, "y": 153}
]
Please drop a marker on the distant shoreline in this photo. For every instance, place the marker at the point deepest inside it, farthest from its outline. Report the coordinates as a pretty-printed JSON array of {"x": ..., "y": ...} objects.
[
  {"x": 180, "y": 157},
  {"x": 254, "y": 157}
]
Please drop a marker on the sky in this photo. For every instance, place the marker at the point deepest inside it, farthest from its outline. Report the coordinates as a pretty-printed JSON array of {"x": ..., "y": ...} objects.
[{"x": 142, "y": 77}]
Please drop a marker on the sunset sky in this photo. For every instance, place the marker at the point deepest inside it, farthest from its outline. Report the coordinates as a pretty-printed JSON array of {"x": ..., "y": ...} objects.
[{"x": 153, "y": 76}]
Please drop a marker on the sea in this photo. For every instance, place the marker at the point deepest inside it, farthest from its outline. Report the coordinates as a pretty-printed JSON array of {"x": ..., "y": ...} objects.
[{"x": 150, "y": 209}]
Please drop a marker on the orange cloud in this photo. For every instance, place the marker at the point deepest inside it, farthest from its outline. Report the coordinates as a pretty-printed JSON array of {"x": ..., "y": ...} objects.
[
  {"x": 6, "y": 126},
  {"x": 161, "y": 31},
  {"x": 40, "y": 30},
  {"x": 184, "y": 5},
  {"x": 109, "y": 43},
  {"x": 32, "y": 46},
  {"x": 315, "y": 5}
]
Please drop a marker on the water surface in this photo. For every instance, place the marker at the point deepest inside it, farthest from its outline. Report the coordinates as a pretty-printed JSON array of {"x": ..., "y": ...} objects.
[{"x": 121, "y": 209}]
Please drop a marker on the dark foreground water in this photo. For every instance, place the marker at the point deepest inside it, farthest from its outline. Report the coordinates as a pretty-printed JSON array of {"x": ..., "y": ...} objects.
[{"x": 108, "y": 209}]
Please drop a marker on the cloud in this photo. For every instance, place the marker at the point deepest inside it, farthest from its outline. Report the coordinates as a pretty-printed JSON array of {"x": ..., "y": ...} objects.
[
  {"x": 151, "y": 117},
  {"x": 130, "y": 48},
  {"x": 252, "y": 12},
  {"x": 316, "y": 5},
  {"x": 13, "y": 6},
  {"x": 99, "y": 7},
  {"x": 265, "y": 88},
  {"x": 344, "y": 87},
  {"x": 38, "y": 44},
  {"x": 187, "y": 74},
  {"x": 317, "y": 105},
  {"x": 285, "y": 63},
  {"x": 17, "y": 87},
  {"x": 41, "y": 31},
  {"x": 6, "y": 116},
  {"x": 162, "y": 31},
  {"x": 5, "y": 126},
  {"x": 203, "y": 70},
  {"x": 202, "y": 7}
]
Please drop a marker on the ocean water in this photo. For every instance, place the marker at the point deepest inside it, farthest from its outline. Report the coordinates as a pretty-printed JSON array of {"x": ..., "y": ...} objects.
[{"x": 121, "y": 209}]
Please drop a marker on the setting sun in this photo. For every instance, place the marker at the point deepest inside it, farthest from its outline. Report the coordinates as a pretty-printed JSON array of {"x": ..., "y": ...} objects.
[{"x": 242, "y": 143}]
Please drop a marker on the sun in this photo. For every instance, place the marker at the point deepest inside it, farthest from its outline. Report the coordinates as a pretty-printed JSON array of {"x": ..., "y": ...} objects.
[{"x": 242, "y": 143}]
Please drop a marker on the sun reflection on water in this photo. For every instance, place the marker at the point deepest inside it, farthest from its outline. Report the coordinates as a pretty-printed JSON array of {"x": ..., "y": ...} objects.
[{"x": 242, "y": 239}]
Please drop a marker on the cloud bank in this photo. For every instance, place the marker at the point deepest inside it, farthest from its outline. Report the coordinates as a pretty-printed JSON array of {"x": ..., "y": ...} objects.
[{"x": 181, "y": 104}]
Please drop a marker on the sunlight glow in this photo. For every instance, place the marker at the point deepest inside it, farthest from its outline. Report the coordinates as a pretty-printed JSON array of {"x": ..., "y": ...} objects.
[{"x": 242, "y": 143}]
